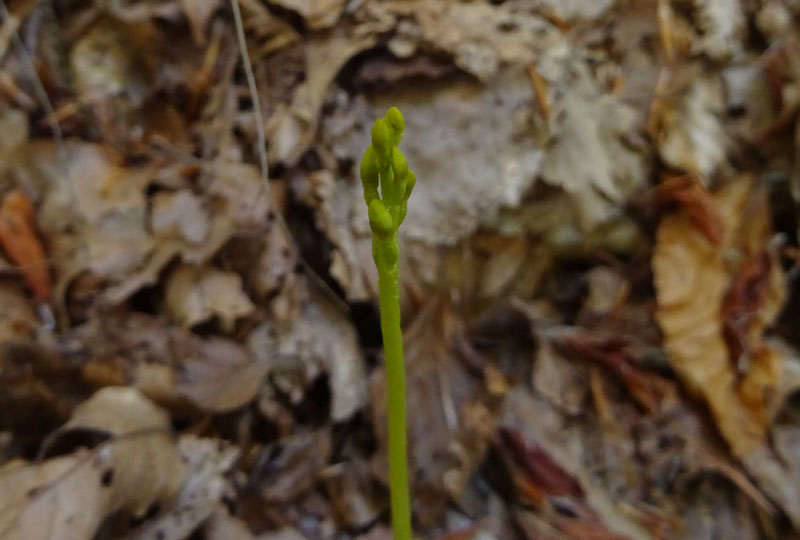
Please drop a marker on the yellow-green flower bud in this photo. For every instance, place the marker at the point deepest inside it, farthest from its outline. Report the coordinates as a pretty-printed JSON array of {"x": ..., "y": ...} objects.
[
  {"x": 380, "y": 220},
  {"x": 369, "y": 174},
  {"x": 381, "y": 139},
  {"x": 411, "y": 180},
  {"x": 399, "y": 164},
  {"x": 395, "y": 119}
]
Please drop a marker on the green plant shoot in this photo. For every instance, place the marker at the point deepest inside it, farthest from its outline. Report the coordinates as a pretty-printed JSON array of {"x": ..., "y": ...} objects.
[{"x": 387, "y": 183}]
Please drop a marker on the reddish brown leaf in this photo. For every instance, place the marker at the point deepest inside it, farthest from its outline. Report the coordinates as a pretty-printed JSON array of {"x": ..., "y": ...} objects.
[
  {"x": 586, "y": 530},
  {"x": 19, "y": 240},
  {"x": 647, "y": 389},
  {"x": 542, "y": 469},
  {"x": 740, "y": 309},
  {"x": 689, "y": 194}
]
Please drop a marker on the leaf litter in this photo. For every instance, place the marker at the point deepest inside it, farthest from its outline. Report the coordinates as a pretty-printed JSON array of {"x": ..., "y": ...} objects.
[{"x": 598, "y": 273}]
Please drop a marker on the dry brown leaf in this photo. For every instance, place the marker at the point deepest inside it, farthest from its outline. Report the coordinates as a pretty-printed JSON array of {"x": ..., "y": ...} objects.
[
  {"x": 218, "y": 375},
  {"x": 690, "y": 194},
  {"x": 690, "y": 136},
  {"x": 223, "y": 526},
  {"x": 170, "y": 364},
  {"x": 181, "y": 214},
  {"x": 723, "y": 25},
  {"x": 195, "y": 295},
  {"x": 292, "y": 129},
  {"x": 352, "y": 493},
  {"x": 199, "y": 13},
  {"x": 589, "y": 157},
  {"x": 19, "y": 239},
  {"x": 293, "y": 464},
  {"x": 68, "y": 497},
  {"x": 576, "y": 9},
  {"x": 483, "y": 37},
  {"x": 569, "y": 452},
  {"x": 14, "y": 124},
  {"x": 563, "y": 383},
  {"x": 93, "y": 213},
  {"x": 692, "y": 279},
  {"x": 206, "y": 461},
  {"x": 319, "y": 339},
  {"x": 317, "y": 13},
  {"x": 18, "y": 318}
]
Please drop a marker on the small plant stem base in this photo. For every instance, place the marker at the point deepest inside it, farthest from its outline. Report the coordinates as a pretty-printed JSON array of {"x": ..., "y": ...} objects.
[{"x": 389, "y": 292}]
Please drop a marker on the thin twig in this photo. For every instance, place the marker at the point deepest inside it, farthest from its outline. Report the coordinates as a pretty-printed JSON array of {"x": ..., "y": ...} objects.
[{"x": 251, "y": 84}]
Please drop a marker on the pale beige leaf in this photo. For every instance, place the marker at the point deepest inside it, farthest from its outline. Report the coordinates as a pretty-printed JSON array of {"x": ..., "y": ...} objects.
[
  {"x": 68, "y": 497},
  {"x": 195, "y": 295},
  {"x": 319, "y": 339},
  {"x": 317, "y": 13},
  {"x": 723, "y": 25},
  {"x": 692, "y": 137},
  {"x": 206, "y": 461},
  {"x": 223, "y": 526},
  {"x": 292, "y": 129},
  {"x": 180, "y": 213},
  {"x": 589, "y": 158},
  {"x": 218, "y": 375},
  {"x": 143, "y": 447},
  {"x": 199, "y": 13},
  {"x": 62, "y": 498}
]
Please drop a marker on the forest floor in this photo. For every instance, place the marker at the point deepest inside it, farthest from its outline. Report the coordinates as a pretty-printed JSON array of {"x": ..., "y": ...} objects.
[{"x": 598, "y": 269}]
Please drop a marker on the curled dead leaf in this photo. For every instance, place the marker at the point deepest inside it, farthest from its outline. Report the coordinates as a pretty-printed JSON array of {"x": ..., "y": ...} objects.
[
  {"x": 693, "y": 278},
  {"x": 134, "y": 465}
]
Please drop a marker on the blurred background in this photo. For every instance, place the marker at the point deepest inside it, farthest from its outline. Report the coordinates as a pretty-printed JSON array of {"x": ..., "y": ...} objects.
[{"x": 598, "y": 268}]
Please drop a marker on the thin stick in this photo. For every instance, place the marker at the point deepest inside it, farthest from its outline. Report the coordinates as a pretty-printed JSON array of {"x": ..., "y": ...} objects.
[{"x": 251, "y": 84}]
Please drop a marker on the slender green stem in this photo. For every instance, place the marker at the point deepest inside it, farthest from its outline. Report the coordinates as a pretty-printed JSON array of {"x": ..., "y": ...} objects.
[
  {"x": 387, "y": 183},
  {"x": 389, "y": 293}
]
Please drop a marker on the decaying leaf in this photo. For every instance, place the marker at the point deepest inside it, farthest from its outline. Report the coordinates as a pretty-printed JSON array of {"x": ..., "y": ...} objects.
[
  {"x": 589, "y": 158},
  {"x": 180, "y": 213},
  {"x": 18, "y": 318},
  {"x": 170, "y": 364},
  {"x": 690, "y": 136},
  {"x": 483, "y": 37},
  {"x": 199, "y": 13},
  {"x": 206, "y": 462},
  {"x": 218, "y": 375},
  {"x": 223, "y": 526},
  {"x": 354, "y": 498},
  {"x": 693, "y": 279},
  {"x": 19, "y": 239},
  {"x": 195, "y": 295},
  {"x": 317, "y": 13},
  {"x": 723, "y": 24},
  {"x": 134, "y": 466},
  {"x": 292, "y": 129},
  {"x": 549, "y": 448},
  {"x": 292, "y": 465},
  {"x": 696, "y": 202},
  {"x": 577, "y": 9},
  {"x": 318, "y": 341}
]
